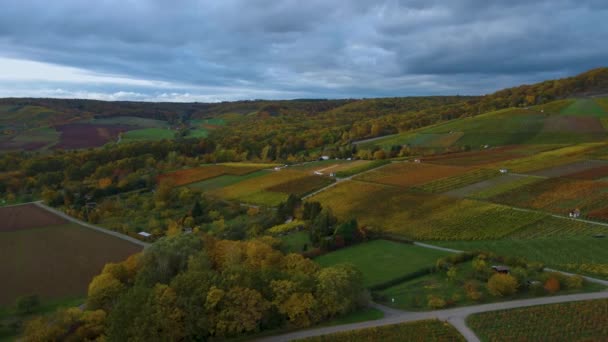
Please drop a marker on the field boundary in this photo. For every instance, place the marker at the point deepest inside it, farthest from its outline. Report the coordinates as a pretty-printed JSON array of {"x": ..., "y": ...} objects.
[{"x": 90, "y": 226}]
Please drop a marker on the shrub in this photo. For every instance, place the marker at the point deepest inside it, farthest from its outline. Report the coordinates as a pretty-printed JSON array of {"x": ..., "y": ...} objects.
[
  {"x": 552, "y": 285},
  {"x": 436, "y": 302},
  {"x": 574, "y": 282},
  {"x": 502, "y": 285}
]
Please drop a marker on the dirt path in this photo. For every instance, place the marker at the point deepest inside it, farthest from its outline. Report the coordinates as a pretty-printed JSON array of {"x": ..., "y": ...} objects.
[
  {"x": 357, "y": 142},
  {"x": 340, "y": 180},
  {"x": 90, "y": 226}
]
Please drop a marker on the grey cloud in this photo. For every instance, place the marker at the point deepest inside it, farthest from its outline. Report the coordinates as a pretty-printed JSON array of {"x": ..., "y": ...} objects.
[{"x": 314, "y": 48}]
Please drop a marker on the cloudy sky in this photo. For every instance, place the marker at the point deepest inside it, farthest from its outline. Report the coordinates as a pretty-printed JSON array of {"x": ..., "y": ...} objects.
[{"x": 213, "y": 50}]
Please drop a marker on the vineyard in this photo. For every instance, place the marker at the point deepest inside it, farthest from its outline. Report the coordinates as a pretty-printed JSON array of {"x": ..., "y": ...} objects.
[
  {"x": 494, "y": 186},
  {"x": 409, "y": 174},
  {"x": 591, "y": 174},
  {"x": 552, "y": 227},
  {"x": 481, "y": 157},
  {"x": 550, "y": 158},
  {"x": 577, "y": 321},
  {"x": 557, "y": 195},
  {"x": 188, "y": 176},
  {"x": 428, "y": 330},
  {"x": 301, "y": 186},
  {"x": 272, "y": 188},
  {"x": 459, "y": 181},
  {"x": 573, "y": 168},
  {"x": 423, "y": 216}
]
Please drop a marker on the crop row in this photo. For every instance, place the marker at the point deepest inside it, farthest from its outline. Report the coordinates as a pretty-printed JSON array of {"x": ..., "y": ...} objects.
[
  {"x": 427, "y": 330},
  {"x": 576, "y": 321}
]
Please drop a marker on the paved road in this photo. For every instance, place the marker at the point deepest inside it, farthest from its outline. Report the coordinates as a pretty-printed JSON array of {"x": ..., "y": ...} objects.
[
  {"x": 90, "y": 226},
  {"x": 455, "y": 316}
]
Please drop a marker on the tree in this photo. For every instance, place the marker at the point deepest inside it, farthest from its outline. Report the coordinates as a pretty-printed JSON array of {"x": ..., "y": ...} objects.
[
  {"x": 311, "y": 210},
  {"x": 502, "y": 285},
  {"x": 349, "y": 231},
  {"x": 338, "y": 289},
  {"x": 103, "y": 292}
]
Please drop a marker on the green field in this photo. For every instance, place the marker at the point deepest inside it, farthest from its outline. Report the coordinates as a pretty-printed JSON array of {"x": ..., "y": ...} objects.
[
  {"x": 576, "y": 321},
  {"x": 429, "y": 330},
  {"x": 586, "y": 107},
  {"x": 381, "y": 260},
  {"x": 295, "y": 242},
  {"x": 148, "y": 134}
]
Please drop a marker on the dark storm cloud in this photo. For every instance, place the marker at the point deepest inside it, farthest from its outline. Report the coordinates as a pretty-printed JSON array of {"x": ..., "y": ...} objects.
[{"x": 339, "y": 48}]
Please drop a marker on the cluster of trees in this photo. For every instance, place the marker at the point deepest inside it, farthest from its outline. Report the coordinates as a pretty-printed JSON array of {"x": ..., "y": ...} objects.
[
  {"x": 327, "y": 233},
  {"x": 482, "y": 280},
  {"x": 192, "y": 287}
]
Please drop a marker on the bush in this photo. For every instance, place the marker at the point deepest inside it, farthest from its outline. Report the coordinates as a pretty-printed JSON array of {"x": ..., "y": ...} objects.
[
  {"x": 552, "y": 285},
  {"x": 574, "y": 282},
  {"x": 436, "y": 302},
  {"x": 27, "y": 304},
  {"x": 502, "y": 285}
]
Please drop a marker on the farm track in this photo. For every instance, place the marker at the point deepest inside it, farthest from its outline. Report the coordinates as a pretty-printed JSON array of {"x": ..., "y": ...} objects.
[
  {"x": 340, "y": 180},
  {"x": 90, "y": 226}
]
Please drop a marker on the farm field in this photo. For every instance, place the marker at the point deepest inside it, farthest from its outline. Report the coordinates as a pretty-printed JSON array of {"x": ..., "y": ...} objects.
[
  {"x": 557, "y": 195},
  {"x": 584, "y": 107},
  {"x": 145, "y": 134},
  {"x": 53, "y": 259},
  {"x": 205, "y": 172},
  {"x": 422, "y": 216},
  {"x": 273, "y": 188},
  {"x": 427, "y": 330},
  {"x": 409, "y": 174},
  {"x": 225, "y": 180},
  {"x": 82, "y": 135},
  {"x": 458, "y": 181},
  {"x": 496, "y": 186},
  {"x": 382, "y": 260},
  {"x": 550, "y": 158},
  {"x": 130, "y": 121},
  {"x": 490, "y": 184},
  {"x": 576, "y": 321},
  {"x": 27, "y": 216},
  {"x": 569, "y": 169}
]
